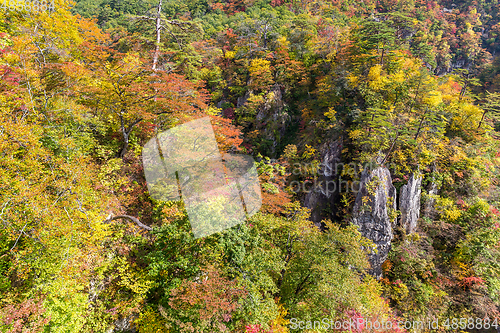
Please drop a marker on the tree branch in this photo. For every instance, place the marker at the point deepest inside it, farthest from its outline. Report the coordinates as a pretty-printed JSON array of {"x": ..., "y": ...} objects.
[
  {"x": 131, "y": 126},
  {"x": 131, "y": 218},
  {"x": 390, "y": 149}
]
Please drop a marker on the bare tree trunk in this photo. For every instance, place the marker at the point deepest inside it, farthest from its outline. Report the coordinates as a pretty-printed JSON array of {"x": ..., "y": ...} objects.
[
  {"x": 125, "y": 137},
  {"x": 464, "y": 88},
  {"x": 482, "y": 118},
  {"x": 390, "y": 149},
  {"x": 158, "y": 35},
  {"x": 130, "y": 218},
  {"x": 125, "y": 144},
  {"x": 421, "y": 123},
  {"x": 126, "y": 134}
]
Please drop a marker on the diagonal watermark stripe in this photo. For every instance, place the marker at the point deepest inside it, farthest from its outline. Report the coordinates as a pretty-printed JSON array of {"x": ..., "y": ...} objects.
[{"x": 219, "y": 191}]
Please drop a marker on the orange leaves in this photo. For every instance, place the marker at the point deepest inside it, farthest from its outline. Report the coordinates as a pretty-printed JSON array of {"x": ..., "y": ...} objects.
[
  {"x": 214, "y": 298},
  {"x": 125, "y": 85},
  {"x": 177, "y": 94},
  {"x": 227, "y": 135},
  {"x": 125, "y": 91},
  {"x": 217, "y": 6},
  {"x": 275, "y": 198},
  {"x": 471, "y": 282},
  {"x": 91, "y": 31},
  {"x": 288, "y": 71}
]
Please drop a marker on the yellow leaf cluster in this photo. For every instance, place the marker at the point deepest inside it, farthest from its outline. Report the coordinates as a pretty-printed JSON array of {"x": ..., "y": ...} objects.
[
  {"x": 150, "y": 321},
  {"x": 465, "y": 115},
  {"x": 376, "y": 80},
  {"x": 283, "y": 42},
  {"x": 356, "y": 134},
  {"x": 230, "y": 54},
  {"x": 330, "y": 114},
  {"x": 213, "y": 111},
  {"x": 434, "y": 98},
  {"x": 447, "y": 209},
  {"x": 399, "y": 77},
  {"x": 353, "y": 79},
  {"x": 132, "y": 60},
  {"x": 309, "y": 152},
  {"x": 279, "y": 324},
  {"x": 259, "y": 65},
  {"x": 449, "y": 90}
]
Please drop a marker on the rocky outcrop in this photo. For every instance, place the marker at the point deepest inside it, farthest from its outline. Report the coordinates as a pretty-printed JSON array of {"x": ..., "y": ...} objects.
[
  {"x": 243, "y": 99},
  {"x": 321, "y": 198},
  {"x": 374, "y": 206},
  {"x": 409, "y": 204},
  {"x": 269, "y": 112},
  {"x": 429, "y": 210},
  {"x": 123, "y": 325},
  {"x": 273, "y": 107},
  {"x": 272, "y": 119}
]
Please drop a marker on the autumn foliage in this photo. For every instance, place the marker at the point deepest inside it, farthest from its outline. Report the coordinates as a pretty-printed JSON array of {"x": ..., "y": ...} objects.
[{"x": 411, "y": 85}]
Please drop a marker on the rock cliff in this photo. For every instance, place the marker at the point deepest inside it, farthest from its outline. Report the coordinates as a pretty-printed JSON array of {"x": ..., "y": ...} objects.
[
  {"x": 409, "y": 204},
  {"x": 374, "y": 211},
  {"x": 321, "y": 198}
]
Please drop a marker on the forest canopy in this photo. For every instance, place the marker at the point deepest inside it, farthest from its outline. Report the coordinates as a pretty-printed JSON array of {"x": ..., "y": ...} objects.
[{"x": 375, "y": 130}]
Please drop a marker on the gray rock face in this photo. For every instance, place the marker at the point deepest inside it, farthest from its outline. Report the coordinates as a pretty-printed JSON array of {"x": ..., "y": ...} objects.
[
  {"x": 243, "y": 99},
  {"x": 272, "y": 119},
  {"x": 321, "y": 198},
  {"x": 409, "y": 203},
  {"x": 273, "y": 106},
  {"x": 123, "y": 325},
  {"x": 428, "y": 206},
  {"x": 375, "y": 201}
]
